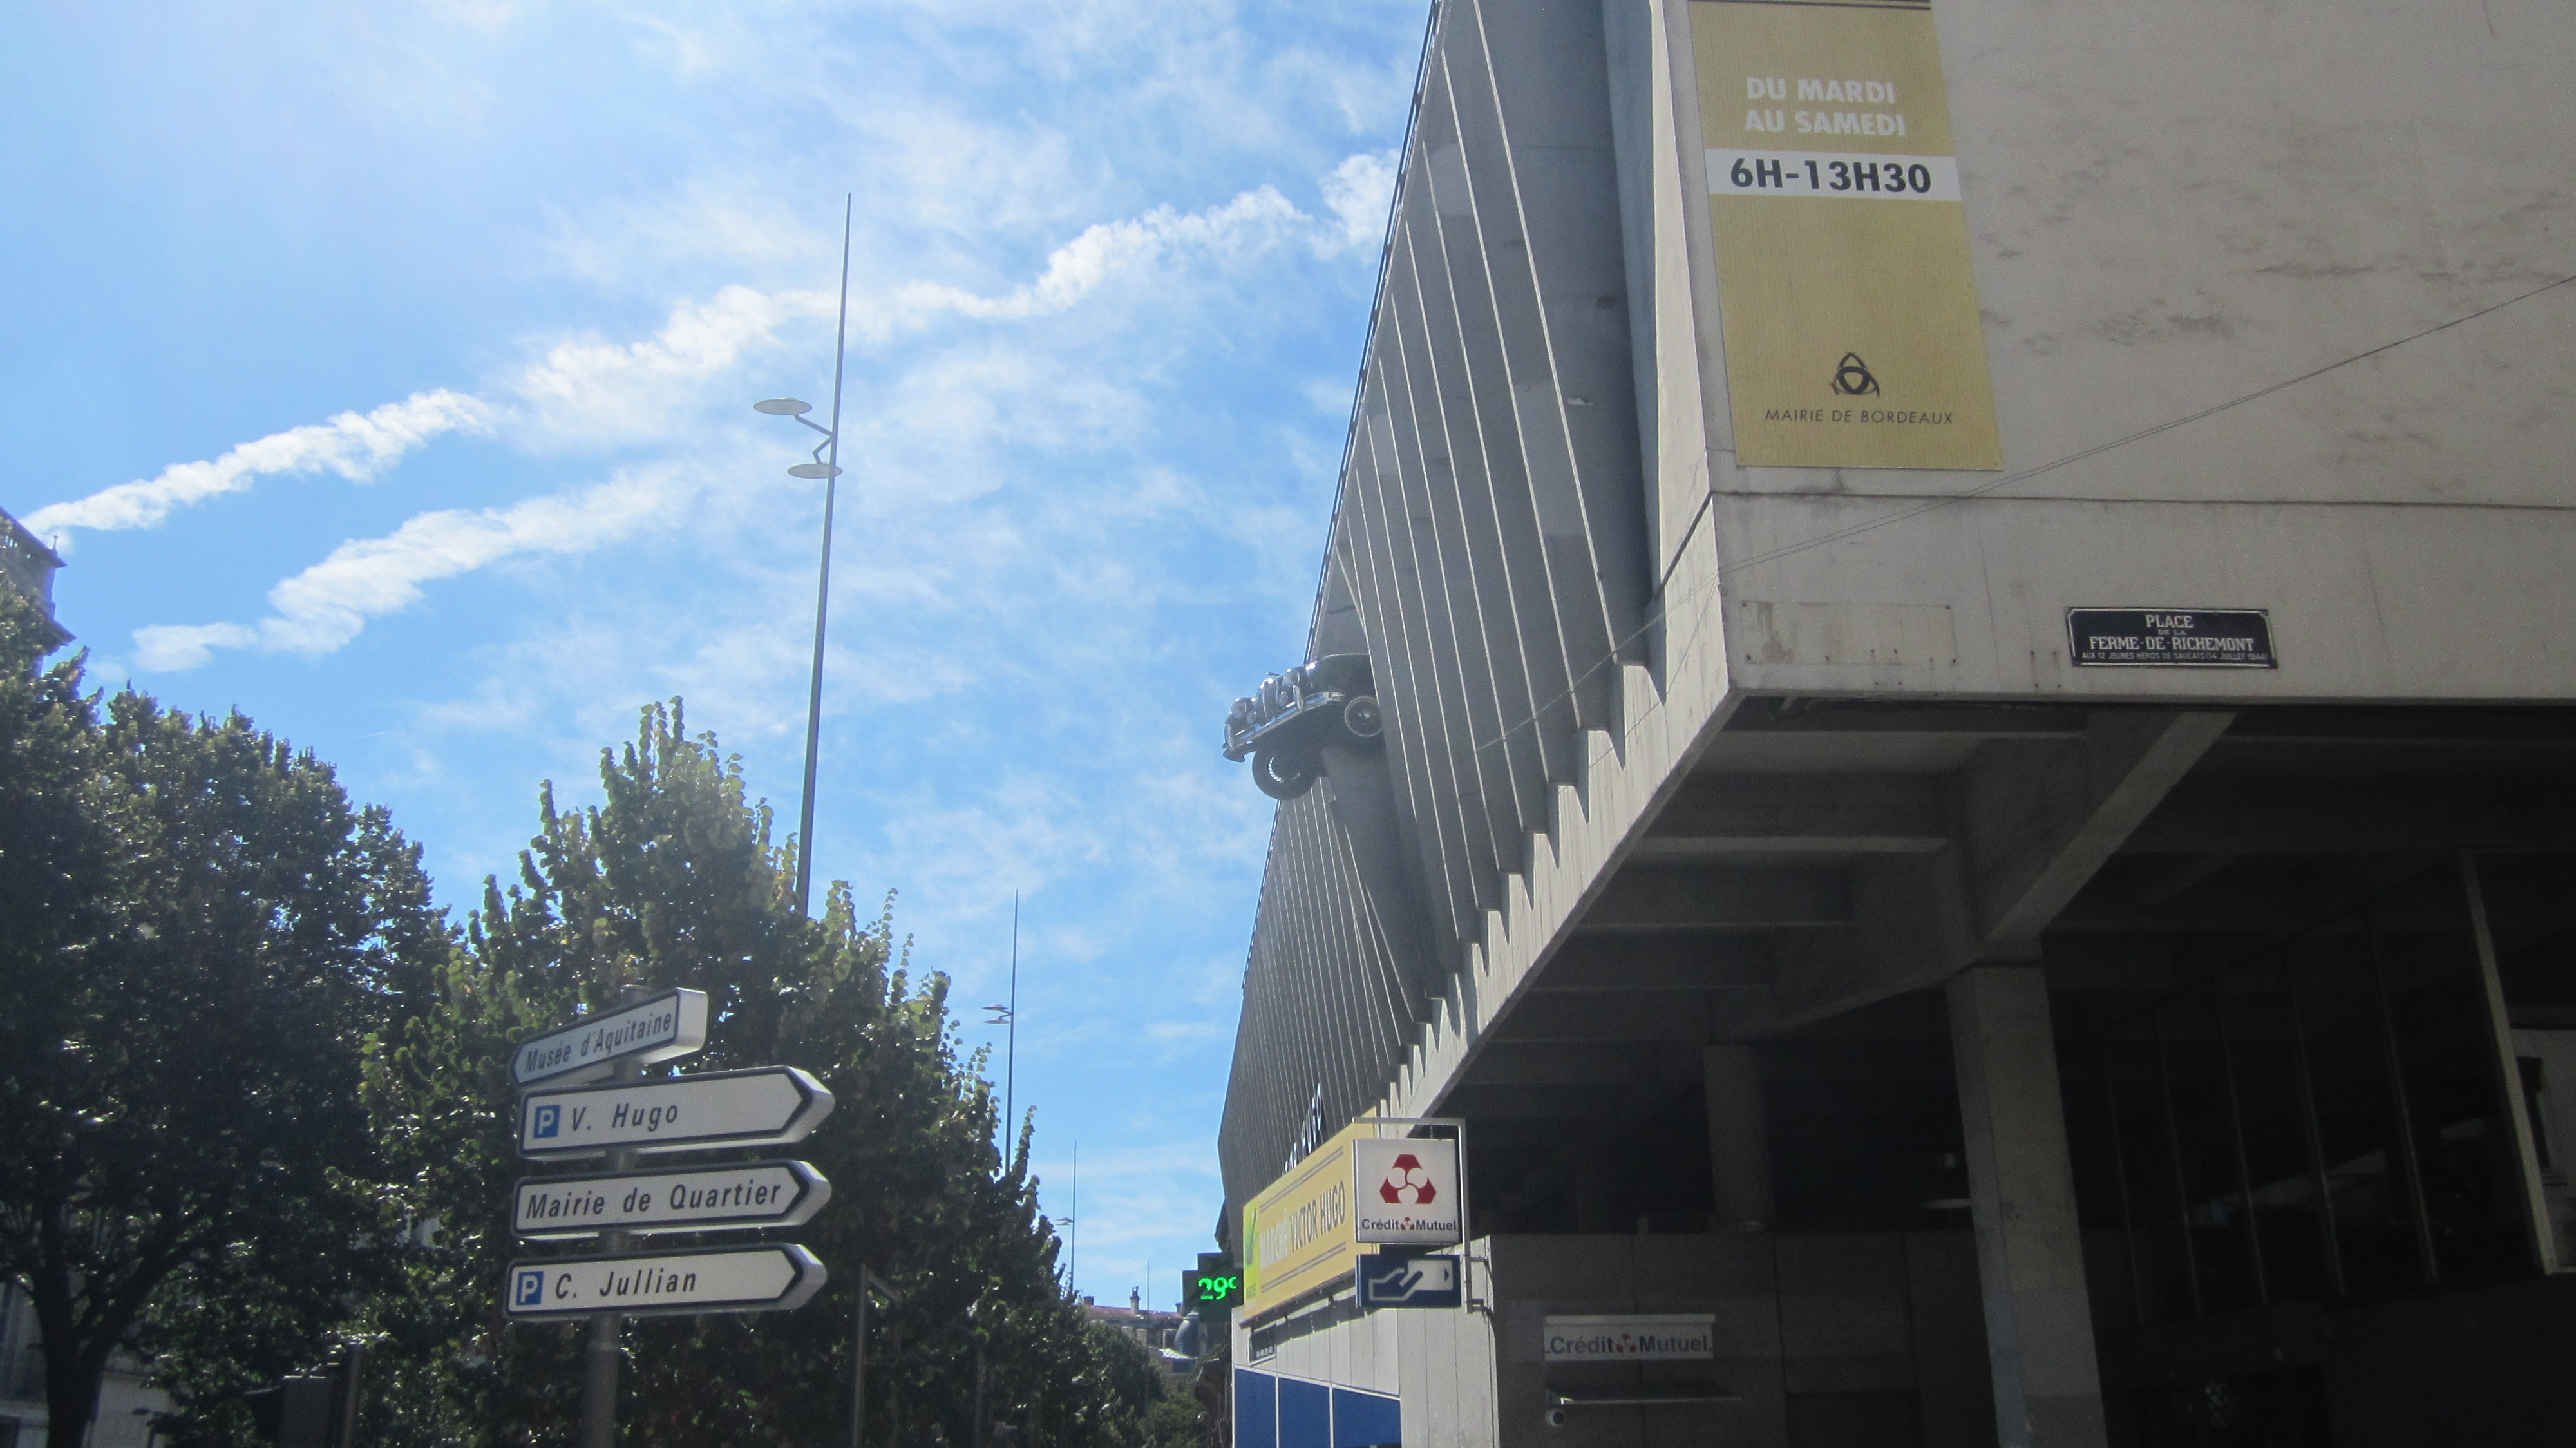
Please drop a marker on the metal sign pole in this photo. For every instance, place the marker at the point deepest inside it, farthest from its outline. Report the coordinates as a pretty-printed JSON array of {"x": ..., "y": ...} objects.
[
  {"x": 859, "y": 1367},
  {"x": 599, "y": 1377}
]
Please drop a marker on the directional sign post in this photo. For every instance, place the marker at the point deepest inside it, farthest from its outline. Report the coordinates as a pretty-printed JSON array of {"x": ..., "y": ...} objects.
[
  {"x": 766, "y": 1106},
  {"x": 656, "y": 1028},
  {"x": 711, "y": 1199},
  {"x": 736, "y": 1279},
  {"x": 622, "y": 1119}
]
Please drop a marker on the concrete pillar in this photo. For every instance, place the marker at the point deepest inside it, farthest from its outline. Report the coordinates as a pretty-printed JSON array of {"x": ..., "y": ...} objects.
[
  {"x": 1600, "y": 1197},
  {"x": 2030, "y": 1257},
  {"x": 1739, "y": 1137}
]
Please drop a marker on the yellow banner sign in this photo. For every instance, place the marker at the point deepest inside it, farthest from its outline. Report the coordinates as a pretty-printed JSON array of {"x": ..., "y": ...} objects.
[
  {"x": 1300, "y": 1233},
  {"x": 1849, "y": 306}
]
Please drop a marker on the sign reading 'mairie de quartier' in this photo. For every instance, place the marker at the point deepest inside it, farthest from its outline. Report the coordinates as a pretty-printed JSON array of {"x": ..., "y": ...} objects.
[
  {"x": 658, "y": 1028},
  {"x": 2170, "y": 638},
  {"x": 708, "y": 1199}
]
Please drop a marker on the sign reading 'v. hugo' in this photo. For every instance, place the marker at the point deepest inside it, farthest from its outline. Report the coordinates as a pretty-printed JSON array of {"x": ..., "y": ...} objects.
[
  {"x": 710, "y": 1199},
  {"x": 1847, "y": 302},
  {"x": 2170, "y": 638},
  {"x": 657, "y": 1028},
  {"x": 737, "y": 1279},
  {"x": 765, "y": 1106}
]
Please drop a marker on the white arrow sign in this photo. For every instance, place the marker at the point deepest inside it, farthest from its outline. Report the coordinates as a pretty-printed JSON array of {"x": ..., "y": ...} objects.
[
  {"x": 673, "y": 1023},
  {"x": 761, "y": 1107},
  {"x": 740, "y": 1279},
  {"x": 713, "y": 1199}
]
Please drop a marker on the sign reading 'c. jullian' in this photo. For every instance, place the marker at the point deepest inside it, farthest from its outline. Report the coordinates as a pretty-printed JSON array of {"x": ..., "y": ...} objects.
[{"x": 1849, "y": 310}]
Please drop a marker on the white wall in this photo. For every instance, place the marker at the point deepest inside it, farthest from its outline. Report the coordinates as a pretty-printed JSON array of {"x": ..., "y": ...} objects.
[{"x": 2173, "y": 207}]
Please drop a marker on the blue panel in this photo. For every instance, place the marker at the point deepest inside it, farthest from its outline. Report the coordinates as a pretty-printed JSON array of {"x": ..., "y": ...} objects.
[
  {"x": 1365, "y": 1420},
  {"x": 1305, "y": 1414},
  {"x": 1256, "y": 1409}
]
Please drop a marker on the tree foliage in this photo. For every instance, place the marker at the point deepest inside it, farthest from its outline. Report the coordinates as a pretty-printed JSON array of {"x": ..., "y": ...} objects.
[
  {"x": 197, "y": 934},
  {"x": 674, "y": 880}
]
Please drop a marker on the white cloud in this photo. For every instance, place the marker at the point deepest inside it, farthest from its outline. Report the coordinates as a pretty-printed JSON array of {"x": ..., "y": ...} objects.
[
  {"x": 1248, "y": 222},
  {"x": 1358, "y": 192},
  {"x": 587, "y": 390},
  {"x": 327, "y": 604},
  {"x": 631, "y": 391},
  {"x": 357, "y": 447},
  {"x": 595, "y": 390}
]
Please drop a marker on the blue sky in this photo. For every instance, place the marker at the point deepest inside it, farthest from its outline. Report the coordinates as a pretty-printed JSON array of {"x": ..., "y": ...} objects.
[{"x": 386, "y": 373}]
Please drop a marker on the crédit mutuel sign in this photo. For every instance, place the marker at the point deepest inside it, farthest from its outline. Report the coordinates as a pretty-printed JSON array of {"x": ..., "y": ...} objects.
[
  {"x": 1358, "y": 1189},
  {"x": 1634, "y": 1338}
]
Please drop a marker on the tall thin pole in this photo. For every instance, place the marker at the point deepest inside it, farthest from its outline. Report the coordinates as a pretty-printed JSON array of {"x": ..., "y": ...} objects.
[
  {"x": 1073, "y": 1247},
  {"x": 1011, "y": 1050},
  {"x": 859, "y": 1366},
  {"x": 602, "y": 1354},
  {"x": 823, "y": 585}
]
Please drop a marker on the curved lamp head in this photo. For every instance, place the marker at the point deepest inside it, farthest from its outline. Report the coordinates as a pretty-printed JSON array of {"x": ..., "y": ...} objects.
[
  {"x": 813, "y": 470},
  {"x": 783, "y": 407}
]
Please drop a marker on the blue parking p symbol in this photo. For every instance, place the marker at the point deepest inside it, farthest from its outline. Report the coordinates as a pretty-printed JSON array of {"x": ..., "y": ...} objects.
[
  {"x": 530, "y": 1289},
  {"x": 549, "y": 1120}
]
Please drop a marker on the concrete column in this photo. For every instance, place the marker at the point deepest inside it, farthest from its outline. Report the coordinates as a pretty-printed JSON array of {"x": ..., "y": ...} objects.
[
  {"x": 1739, "y": 1137},
  {"x": 1600, "y": 1198},
  {"x": 2030, "y": 1257}
]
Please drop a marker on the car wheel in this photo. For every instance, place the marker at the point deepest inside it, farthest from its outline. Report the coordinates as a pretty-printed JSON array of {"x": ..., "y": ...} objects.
[
  {"x": 1284, "y": 776},
  {"x": 1362, "y": 719}
]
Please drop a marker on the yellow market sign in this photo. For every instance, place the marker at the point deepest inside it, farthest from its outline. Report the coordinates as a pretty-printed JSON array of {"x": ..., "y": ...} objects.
[
  {"x": 1848, "y": 305},
  {"x": 1299, "y": 1233}
]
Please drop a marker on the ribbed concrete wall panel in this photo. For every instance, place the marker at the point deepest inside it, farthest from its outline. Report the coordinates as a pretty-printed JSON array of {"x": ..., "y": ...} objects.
[
  {"x": 1488, "y": 551},
  {"x": 1326, "y": 985}
]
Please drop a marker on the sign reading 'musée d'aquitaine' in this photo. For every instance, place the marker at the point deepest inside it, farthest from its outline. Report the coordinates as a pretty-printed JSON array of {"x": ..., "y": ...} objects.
[
  {"x": 1852, "y": 336},
  {"x": 658, "y": 1028}
]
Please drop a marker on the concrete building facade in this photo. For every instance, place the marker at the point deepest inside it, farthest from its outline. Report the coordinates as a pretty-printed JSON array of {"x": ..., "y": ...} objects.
[{"x": 2074, "y": 946}]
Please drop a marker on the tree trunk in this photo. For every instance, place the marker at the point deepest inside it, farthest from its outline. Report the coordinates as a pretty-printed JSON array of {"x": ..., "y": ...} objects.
[
  {"x": 71, "y": 1395},
  {"x": 72, "y": 1368}
]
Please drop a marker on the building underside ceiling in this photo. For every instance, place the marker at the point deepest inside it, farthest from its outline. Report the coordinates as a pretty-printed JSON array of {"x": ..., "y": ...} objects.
[{"x": 1827, "y": 862}]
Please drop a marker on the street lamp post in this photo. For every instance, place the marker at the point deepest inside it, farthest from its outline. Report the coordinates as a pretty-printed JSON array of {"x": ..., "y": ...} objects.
[
  {"x": 1009, "y": 1015},
  {"x": 826, "y": 466}
]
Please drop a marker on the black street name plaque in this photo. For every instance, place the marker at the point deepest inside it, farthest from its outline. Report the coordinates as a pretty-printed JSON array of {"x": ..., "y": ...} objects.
[{"x": 2171, "y": 638}]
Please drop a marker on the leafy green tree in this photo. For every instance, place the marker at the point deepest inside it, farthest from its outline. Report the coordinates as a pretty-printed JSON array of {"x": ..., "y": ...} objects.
[
  {"x": 1176, "y": 1421},
  {"x": 674, "y": 880},
  {"x": 197, "y": 935}
]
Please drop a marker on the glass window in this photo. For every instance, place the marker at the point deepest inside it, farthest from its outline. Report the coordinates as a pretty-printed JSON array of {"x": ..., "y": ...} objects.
[
  {"x": 2327, "y": 1121},
  {"x": 2342, "y": 1028},
  {"x": 2280, "y": 1162},
  {"x": 2192, "y": 1029},
  {"x": 2154, "y": 1207}
]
